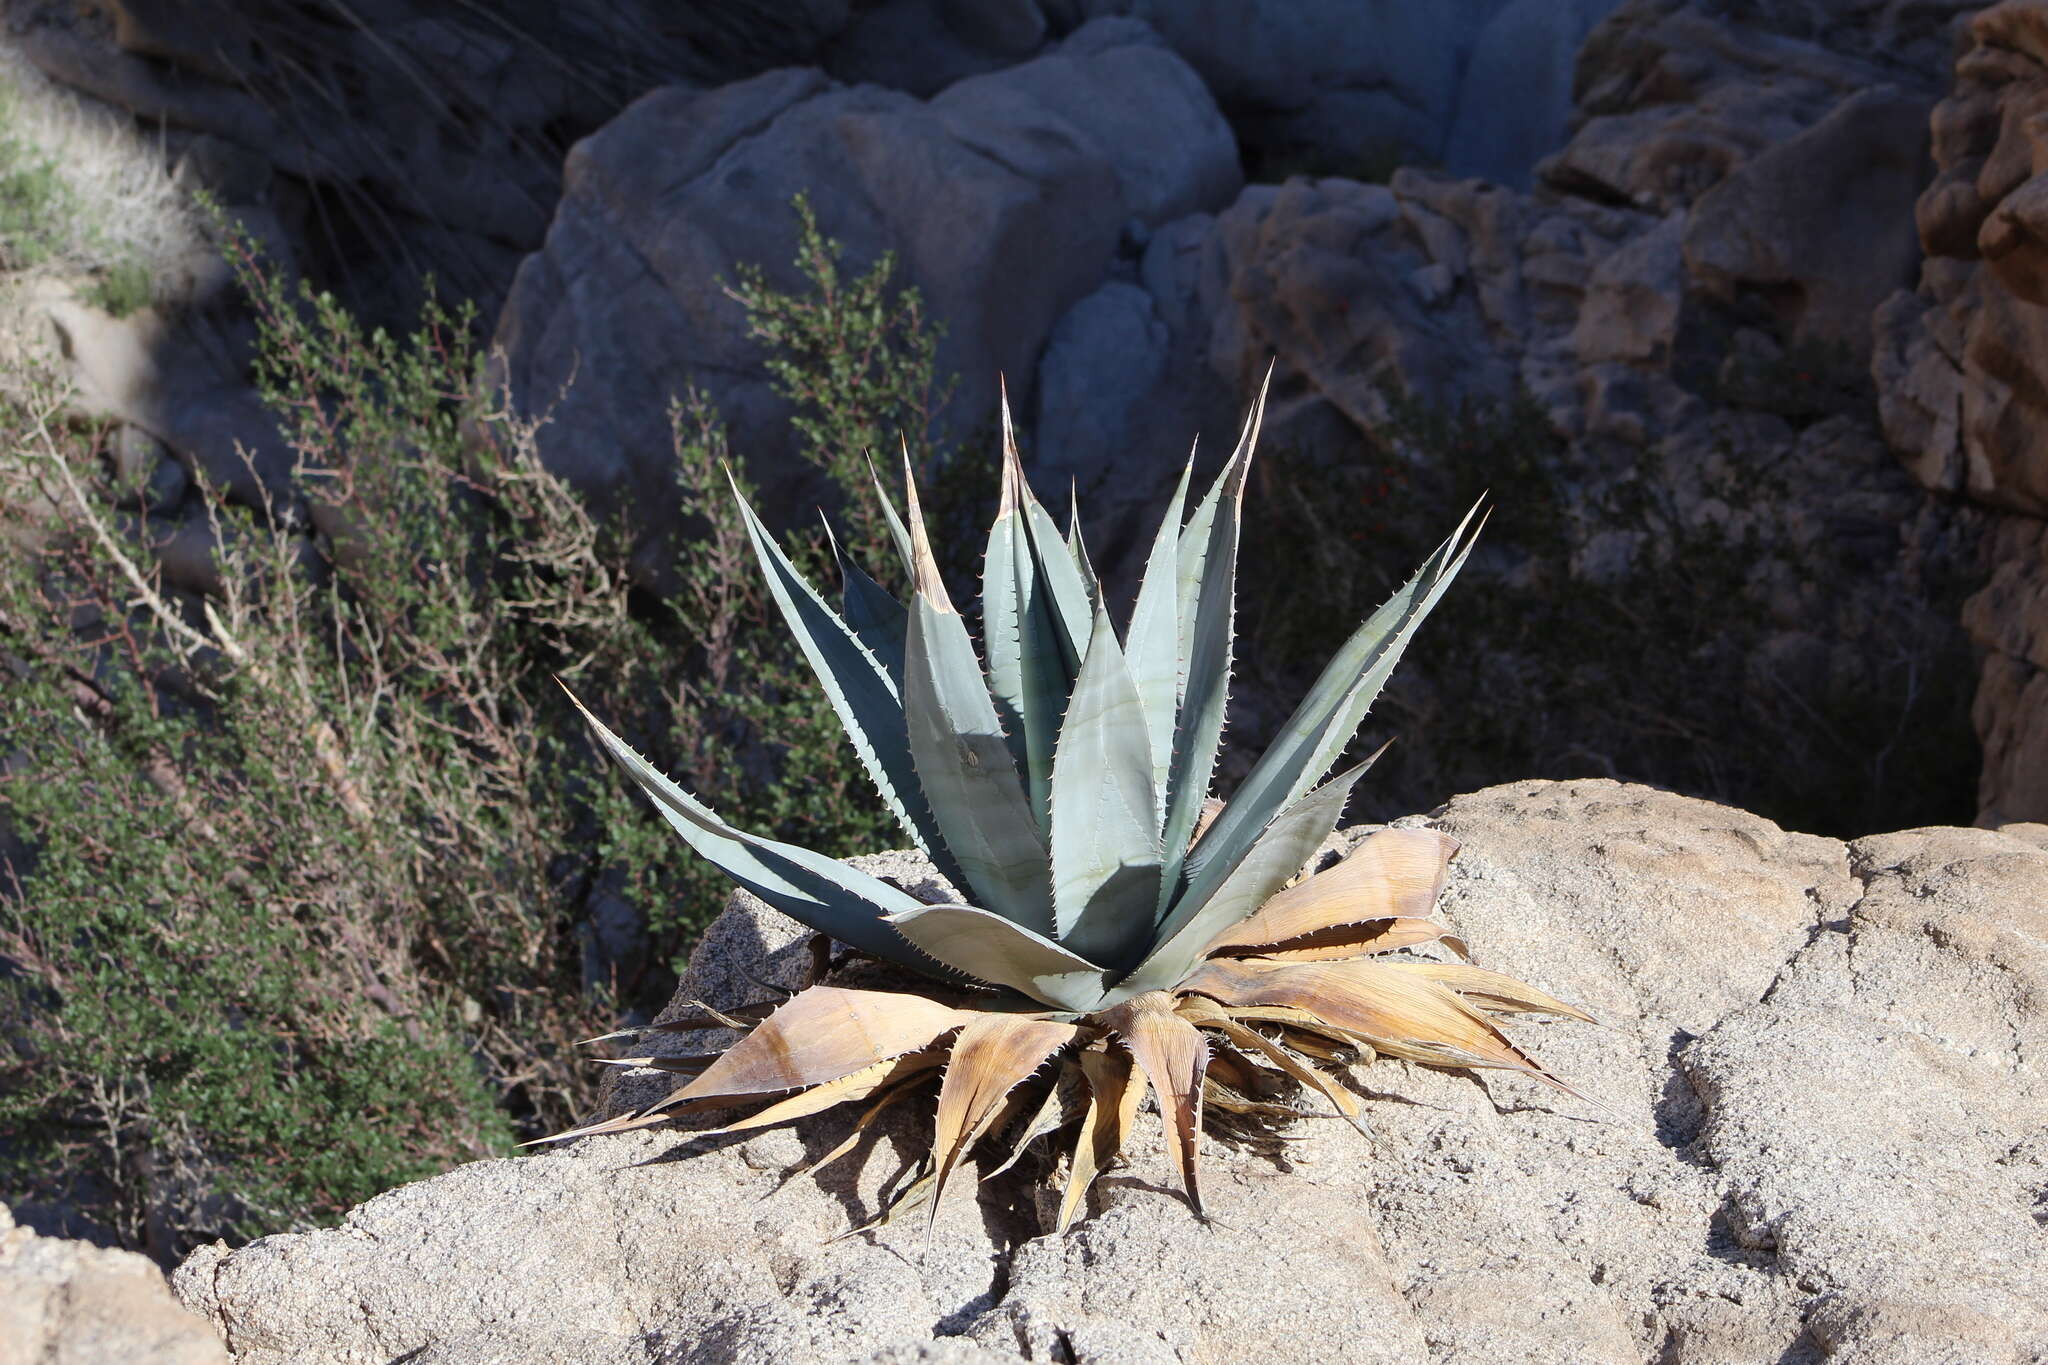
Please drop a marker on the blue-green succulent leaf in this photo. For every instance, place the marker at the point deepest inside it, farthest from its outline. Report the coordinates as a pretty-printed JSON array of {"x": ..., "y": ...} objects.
[
  {"x": 823, "y": 893},
  {"x": 1070, "y": 607},
  {"x": 963, "y": 761},
  {"x": 1217, "y": 903},
  {"x": 1105, "y": 831},
  {"x": 1208, "y": 624},
  {"x": 897, "y": 530},
  {"x": 1073, "y": 608},
  {"x": 871, "y": 612},
  {"x": 859, "y": 687},
  {"x": 1077, "y": 549},
  {"x": 1153, "y": 646},
  {"x": 1331, "y": 713},
  {"x": 990, "y": 948},
  {"x": 1027, "y": 670}
]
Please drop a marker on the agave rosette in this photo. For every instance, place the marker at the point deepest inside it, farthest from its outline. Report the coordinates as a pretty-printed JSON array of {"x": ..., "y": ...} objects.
[{"x": 1122, "y": 930}]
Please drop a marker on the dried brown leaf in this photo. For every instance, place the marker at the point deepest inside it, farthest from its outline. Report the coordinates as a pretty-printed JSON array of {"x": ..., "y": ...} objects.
[
  {"x": 858, "y": 1086},
  {"x": 1398, "y": 1013},
  {"x": 1494, "y": 990},
  {"x": 1065, "y": 1100},
  {"x": 1114, "y": 1091},
  {"x": 1171, "y": 1053},
  {"x": 1353, "y": 940},
  {"x": 821, "y": 1035},
  {"x": 1252, "y": 1040},
  {"x": 992, "y": 1056},
  {"x": 1394, "y": 874}
]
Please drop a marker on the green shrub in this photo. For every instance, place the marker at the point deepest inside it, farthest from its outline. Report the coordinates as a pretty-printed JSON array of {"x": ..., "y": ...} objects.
[
  {"x": 120, "y": 289},
  {"x": 32, "y": 199},
  {"x": 294, "y": 878}
]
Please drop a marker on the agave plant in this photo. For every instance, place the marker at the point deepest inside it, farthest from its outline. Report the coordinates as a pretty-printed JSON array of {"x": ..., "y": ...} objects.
[{"x": 1111, "y": 919}]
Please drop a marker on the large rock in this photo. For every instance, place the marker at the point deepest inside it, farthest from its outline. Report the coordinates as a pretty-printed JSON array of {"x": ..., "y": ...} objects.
[
  {"x": 1958, "y": 365},
  {"x": 1815, "y": 224},
  {"x": 2008, "y": 618},
  {"x": 1483, "y": 87},
  {"x": 1667, "y": 331},
  {"x": 1330, "y": 79},
  {"x": 65, "y": 1302},
  {"x": 1004, "y": 199},
  {"x": 1818, "y": 1133},
  {"x": 1711, "y": 164},
  {"x": 1720, "y": 188},
  {"x": 1515, "y": 103}
]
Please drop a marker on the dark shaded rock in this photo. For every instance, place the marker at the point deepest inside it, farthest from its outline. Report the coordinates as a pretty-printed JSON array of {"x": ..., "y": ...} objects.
[{"x": 1004, "y": 198}]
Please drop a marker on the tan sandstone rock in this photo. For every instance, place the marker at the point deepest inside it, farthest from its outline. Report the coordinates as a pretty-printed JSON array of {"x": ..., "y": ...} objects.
[
  {"x": 1958, "y": 365},
  {"x": 1819, "y": 1133}
]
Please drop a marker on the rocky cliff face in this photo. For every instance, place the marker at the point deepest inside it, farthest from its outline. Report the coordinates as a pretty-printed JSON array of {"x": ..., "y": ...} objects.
[
  {"x": 1684, "y": 300},
  {"x": 1819, "y": 1137},
  {"x": 1958, "y": 369}
]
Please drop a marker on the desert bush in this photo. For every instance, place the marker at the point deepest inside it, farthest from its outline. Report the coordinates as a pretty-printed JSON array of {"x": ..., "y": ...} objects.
[
  {"x": 299, "y": 874},
  {"x": 1666, "y": 665}
]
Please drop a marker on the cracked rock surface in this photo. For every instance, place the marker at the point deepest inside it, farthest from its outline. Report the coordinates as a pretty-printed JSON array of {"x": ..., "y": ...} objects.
[{"x": 1820, "y": 1137}]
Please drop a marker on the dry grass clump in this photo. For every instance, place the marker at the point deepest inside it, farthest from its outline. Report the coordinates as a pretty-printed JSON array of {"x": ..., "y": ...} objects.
[{"x": 86, "y": 197}]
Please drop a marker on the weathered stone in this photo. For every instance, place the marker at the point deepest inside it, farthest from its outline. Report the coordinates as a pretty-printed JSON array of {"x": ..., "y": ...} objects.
[
  {"x": 65, "y": 1302},
  {"x": 1818, "y": 1130},
  {"x": 1689, "y": 299},
  {"x": 1957, "y": 364},
  {"x": 1633, "y": 299},
  {"x": 167, "y": 376},
  {"x": 1515, "y": 101},
  {"x": 1818, "y": 223},
  {"x": 1330, "y": 79},
  {"x": 2008, "y": 620}
]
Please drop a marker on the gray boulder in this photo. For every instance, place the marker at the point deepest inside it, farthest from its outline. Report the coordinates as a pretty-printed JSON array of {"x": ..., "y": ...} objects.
[
  {"x": 1665, "y": 335},
  {"x": 1515, "y": 102},
  {"x": 1815, "y": 224},
  {"x": 1818, "y": 1133},
  {"x": 1326, "y": 80},
  {"x": 1004, "y": 199}
]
